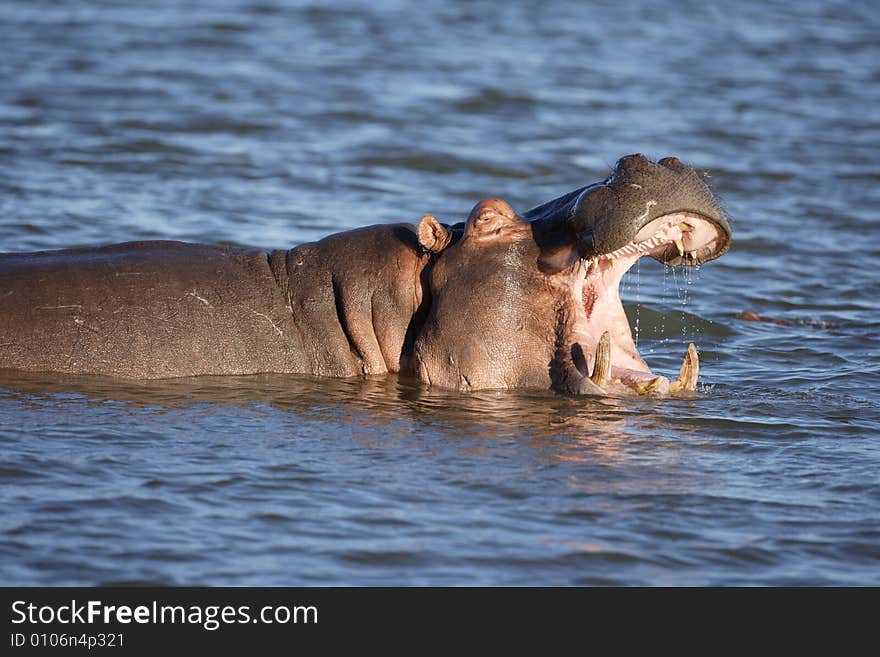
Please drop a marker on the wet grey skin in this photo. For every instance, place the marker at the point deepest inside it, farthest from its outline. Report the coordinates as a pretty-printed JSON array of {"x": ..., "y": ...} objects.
[{"x": 499, "y": 301}]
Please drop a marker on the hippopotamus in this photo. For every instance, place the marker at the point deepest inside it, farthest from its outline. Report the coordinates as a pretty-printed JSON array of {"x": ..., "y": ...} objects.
[{"x": 502, "y": 300}]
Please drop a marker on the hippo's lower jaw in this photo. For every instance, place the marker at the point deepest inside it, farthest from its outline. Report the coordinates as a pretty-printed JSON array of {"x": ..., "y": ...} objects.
[{"x": 601, "y": 342}]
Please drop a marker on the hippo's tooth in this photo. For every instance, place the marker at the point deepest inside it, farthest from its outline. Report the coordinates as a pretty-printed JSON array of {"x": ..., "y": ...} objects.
[
  {"x": 646, "y": 387},
  {"x": 693, "y": 255},
  {"x": 690, "y": 371},
  {"x": 685, "y": 227},
  {"x": 602, "y": 363},
  {"x": 680, "y": 246}
]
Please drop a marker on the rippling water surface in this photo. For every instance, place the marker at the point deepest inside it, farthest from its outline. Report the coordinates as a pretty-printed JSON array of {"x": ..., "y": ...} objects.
[{"x": 274, "y": 123}]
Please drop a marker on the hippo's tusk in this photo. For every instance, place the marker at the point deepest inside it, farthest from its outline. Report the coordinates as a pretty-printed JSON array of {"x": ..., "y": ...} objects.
[
  {"x": 680, "y": 246},
  {"x": 602, "y": 363},
  {"x": 646, "y": 387},
  {"x": 685, "y": 227},
  {"x": 690, "y": 371}
]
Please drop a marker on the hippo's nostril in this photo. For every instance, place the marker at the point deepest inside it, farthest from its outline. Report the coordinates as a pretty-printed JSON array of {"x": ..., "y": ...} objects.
[
  {"x": 631, "y": 160},
  {"x": 671, "y": 163}
]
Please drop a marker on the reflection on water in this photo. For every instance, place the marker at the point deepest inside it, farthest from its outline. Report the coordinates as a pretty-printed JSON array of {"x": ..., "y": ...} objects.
[{"x": 380, "y": 402}]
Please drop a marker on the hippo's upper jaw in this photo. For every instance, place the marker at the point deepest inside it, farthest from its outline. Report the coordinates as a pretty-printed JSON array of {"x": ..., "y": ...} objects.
[{"x": 533, "y": 301}]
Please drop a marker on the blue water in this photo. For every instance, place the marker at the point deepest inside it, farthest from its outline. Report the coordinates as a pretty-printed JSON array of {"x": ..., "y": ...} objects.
[{"x": 271, "y": 124}]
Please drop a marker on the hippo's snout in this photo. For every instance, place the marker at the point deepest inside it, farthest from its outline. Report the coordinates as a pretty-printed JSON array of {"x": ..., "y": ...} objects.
[
  {"x": 622, "y": 212},
  {"x": 595, "y": 234},
  {"x": 615, "y": 213}
]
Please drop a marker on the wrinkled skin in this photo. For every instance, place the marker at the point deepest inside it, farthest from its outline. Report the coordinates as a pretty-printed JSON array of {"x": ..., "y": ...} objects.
[
  {"x": 148, "y": 310},
  {"x": 501, "y": 301}
]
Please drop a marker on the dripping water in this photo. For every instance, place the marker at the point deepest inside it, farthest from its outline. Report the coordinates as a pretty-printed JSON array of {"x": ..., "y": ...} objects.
[{"x": 638, "y": 302}]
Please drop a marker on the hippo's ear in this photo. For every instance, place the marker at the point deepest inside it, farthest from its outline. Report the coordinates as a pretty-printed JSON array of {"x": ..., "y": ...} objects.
[{"x": 433, "y": 236}]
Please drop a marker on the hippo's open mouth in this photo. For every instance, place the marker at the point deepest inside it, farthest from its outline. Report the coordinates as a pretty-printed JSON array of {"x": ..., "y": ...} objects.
[{"x": 603, "y": 347}]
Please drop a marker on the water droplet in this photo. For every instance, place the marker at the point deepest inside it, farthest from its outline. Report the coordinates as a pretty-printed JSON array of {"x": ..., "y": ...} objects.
[{"x": 638, "y": 299}]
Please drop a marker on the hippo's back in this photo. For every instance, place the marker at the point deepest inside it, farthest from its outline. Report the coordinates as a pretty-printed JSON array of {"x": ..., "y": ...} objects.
[{"x": 146, "y": 310}]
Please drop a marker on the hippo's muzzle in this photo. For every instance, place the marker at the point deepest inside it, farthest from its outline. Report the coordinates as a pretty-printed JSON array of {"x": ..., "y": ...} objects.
[
  {"x": 608, "y": 217},
  {"x": 661, "y": 209}
]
